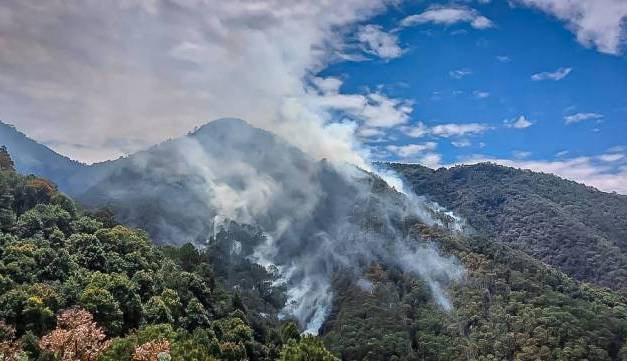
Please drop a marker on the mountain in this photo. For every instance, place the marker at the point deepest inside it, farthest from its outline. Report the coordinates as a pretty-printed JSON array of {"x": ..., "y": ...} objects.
[
  {"x": 578, "y": 229},
  {"x": 75, "y": 287},
  {"x": 31, "y": 157},
  {"x": 67, "y": 275},
  {"x": 225, "y": 168}
]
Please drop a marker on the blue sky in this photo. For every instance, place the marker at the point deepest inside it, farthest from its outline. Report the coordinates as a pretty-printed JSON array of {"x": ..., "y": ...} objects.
[
  {"x": 500, "y": 62},
  {"x": 575, "y": 106},
  {"x": 537, "y": 84}
]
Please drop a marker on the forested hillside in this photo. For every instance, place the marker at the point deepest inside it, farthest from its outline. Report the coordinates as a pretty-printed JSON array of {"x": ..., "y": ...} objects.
[
  {"x": 78, "y": 283},
  {"x": 75, "y": 286},
  {"x": 578, "y": 229}
]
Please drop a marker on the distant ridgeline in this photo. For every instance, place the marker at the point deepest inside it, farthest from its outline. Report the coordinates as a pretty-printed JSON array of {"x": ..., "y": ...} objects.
[
  {"x": 77, "y": 283},
  {"x": 577, "y": 229}
]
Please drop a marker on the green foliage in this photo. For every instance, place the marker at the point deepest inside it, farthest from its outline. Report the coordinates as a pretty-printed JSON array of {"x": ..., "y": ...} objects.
[
  {"x": 54, "y": 258},
  {"x": 577, "y": 229},
  {"x": 211, "y": 305},
  {"x": 306, "y": 349}
]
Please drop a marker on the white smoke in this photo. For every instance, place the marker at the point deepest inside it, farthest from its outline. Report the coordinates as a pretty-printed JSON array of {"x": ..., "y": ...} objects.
[{"x": 320, "y": 218}]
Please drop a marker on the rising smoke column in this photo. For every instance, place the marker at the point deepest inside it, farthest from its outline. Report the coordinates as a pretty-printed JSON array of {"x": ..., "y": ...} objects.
[{"x": 320, "y": 217}]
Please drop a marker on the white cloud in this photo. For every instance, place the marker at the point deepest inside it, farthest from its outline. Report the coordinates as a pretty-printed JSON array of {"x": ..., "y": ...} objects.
[
  {"x": 445, "y": 130},
  {"x": 558, "y": 74},
  {"x": 521, "y": 154},
  {"x": 611, "y": 157},
  {"x": 449, "y": 15},
  {"x": 459, "y": 73},
  {"x": 461, "y": 143},
  {"x": 367, "y": 132},
  {"x": 416, "y": 131},
  {"x": 431, "y": 160},
  {"x": 458, "y": 129},
  {"x": 503, "y": 58},
  {"x": 85, "y": 76},
  {"x": 480, "y": 94},
  {"x": 596, "y": 23},
  {"x": 606, "y": 176},
  {"x": 519, "y": 123},
  {"x": 374, "y": 109},
  {"x": 378, "y": 42},
  {"x": 580, "y": 117},
  {"x": 411, "y": 149}
]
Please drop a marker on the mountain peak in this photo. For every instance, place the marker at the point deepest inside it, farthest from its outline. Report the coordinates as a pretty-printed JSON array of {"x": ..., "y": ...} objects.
[{"x": 222, "y": 124}]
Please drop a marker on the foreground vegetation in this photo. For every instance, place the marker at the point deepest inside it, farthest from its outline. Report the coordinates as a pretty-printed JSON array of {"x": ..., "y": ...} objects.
[{"x": 79, "y": 287}]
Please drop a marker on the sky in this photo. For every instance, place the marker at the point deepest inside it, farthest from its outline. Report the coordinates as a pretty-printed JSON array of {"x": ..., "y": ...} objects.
[{"x": 536, "y": 84}]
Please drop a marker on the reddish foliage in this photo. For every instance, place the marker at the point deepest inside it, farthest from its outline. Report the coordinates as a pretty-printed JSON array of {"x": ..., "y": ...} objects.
[
  {"x": 77, "y": 337},
  {"x": 150, "y": 350},
  {"x": 41, "y": 185},
  {"x": 9, "y": 347}
]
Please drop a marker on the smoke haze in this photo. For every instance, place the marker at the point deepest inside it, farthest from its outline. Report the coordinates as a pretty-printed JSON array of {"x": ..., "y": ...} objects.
[{"x": 319, "y": 218}]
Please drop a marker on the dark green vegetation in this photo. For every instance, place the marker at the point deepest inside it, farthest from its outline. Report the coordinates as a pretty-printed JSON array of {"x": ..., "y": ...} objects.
[
  {"x": 578, "y": 229},
  {"x": 210, "y": 304},
  {"x": 54, "y": 257},
  {"x": 511, "y": 307},
  {"x": 522, "y": 298}
]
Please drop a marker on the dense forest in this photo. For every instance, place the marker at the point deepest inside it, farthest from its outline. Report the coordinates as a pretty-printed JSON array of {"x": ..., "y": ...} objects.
[
  {"x": 578, "y": 229},
  {"x": 78, "y": 286},
  {"x": 75, "y": 286}
]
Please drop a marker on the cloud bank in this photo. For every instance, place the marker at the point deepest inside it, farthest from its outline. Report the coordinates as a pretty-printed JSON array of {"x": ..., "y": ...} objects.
[
  {"x": 96, "y": 80},
  {"x": 595, "y": 23}
]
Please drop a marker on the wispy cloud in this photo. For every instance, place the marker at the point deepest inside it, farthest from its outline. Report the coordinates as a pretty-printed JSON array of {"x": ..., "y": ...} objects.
[
  {"x": 503, "y": 58},
  {"x": 558, "y": 74},
  {"x": 445, "y": 130},
  {"x": 521, "y": 154},
  {"x": 480, "y": 94},
  {"x": 374, "y": 40},
  {"x": 449, "y": 15},
  {"x": 518, "y": 123},
  {"x": 461, "y": 143},
  {"x": 458, "y": 129},
  {"x": 580, "y": 117},
  {"x": 373, "y": 109},
  {"x": 411, "y": 149},
  {"x": 459, "y": 73},
  {"x": 416, "y": 130}
]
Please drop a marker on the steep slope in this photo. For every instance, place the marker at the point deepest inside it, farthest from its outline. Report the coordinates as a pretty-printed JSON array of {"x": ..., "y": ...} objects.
[
  {"x": 218, "y": 302},
  {"x": 31, "y": 157},
  {"x": 578, "y": 229},
  {"x": 226, "y": 168},
  {"x": 72, "y": 288}
]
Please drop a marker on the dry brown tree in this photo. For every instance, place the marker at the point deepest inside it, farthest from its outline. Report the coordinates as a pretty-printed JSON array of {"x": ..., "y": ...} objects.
[
  {"x": 76, "y": 338},
  {"x": 150, "y": 351}
]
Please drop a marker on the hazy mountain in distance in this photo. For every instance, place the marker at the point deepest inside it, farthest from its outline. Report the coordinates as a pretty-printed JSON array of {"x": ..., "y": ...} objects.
[
  {"x": 32, "y": 157},
  {"x": 576, "y": 228}
]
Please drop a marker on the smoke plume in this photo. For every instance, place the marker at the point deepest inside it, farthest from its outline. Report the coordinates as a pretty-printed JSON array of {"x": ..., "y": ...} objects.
[{"x": 319, "y": 217}]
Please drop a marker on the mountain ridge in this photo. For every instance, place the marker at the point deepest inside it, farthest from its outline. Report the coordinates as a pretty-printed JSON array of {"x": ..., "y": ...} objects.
[{"x": 577, "y": 228}]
